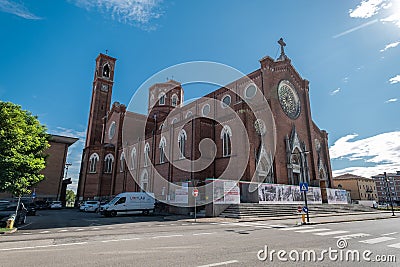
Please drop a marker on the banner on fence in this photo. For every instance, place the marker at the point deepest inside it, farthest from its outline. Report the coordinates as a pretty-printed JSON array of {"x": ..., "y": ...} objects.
[
  {"x": 287, "y": 194},
  {"x": 226, "y": 192},
  {"x": 336, "y": 196}
]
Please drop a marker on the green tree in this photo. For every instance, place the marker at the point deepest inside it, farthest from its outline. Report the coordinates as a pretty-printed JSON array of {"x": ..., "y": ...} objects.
[
  {"x": 70, "y": 196},
  {"x": 23, "y": 141}
]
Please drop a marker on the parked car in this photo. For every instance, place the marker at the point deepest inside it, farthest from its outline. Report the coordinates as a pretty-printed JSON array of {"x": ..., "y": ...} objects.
[
  {"x": 41, "y": 204},
  {"x": 7, "y": 211},
  {"x": 129, "y": 202},
  {"x": 90, "y": 205},
  {"x": 55, "y": 205}
]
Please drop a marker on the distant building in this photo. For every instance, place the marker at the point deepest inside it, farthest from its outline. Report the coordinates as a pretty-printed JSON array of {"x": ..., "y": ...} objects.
[
  {"x": 392, "y": 186},
  {"x": 361, "y": 188},
  {"x": 54, "y": 186}
]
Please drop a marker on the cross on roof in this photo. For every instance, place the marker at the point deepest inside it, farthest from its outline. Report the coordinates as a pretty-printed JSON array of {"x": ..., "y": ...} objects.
[{"x": 282, "y": 44}]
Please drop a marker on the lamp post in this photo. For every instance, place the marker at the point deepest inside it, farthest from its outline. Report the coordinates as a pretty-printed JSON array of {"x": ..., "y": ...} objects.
[{"x": 388, "y": 189}]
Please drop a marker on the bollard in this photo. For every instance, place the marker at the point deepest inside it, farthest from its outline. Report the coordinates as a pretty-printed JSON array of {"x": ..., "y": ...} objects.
[
  {"x": 303, "y": 218},
  {"x": 10, "y": 223}
]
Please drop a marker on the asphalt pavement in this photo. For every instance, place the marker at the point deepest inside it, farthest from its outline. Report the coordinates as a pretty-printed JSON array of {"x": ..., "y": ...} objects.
[{"x": 154, "y": 241}]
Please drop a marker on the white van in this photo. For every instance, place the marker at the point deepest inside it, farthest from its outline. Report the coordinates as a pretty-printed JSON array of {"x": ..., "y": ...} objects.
[{"x": 128, "y": 203}]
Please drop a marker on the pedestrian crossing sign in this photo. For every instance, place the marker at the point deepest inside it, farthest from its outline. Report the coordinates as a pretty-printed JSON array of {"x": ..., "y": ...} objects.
[{"x": 303, "y": 187}]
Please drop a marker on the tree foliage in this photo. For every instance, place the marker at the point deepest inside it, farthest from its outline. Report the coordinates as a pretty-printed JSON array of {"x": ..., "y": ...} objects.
[
  {"x": 23, "y": 141},
  {"x": 70, "y": 196}
]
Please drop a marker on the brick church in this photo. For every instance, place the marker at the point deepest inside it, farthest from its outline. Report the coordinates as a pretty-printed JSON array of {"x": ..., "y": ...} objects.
[{"x": 173, "y": 132}]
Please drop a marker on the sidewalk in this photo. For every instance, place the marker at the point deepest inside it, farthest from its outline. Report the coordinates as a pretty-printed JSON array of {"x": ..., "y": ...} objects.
[{"x": 295, "y": 220}]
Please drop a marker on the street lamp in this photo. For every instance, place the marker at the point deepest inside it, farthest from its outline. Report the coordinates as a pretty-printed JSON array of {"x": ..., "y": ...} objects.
[{"x": 388, "y": 190}]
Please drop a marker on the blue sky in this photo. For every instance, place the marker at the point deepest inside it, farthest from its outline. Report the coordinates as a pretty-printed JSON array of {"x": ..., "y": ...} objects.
[{"x": 348, "y": 50}]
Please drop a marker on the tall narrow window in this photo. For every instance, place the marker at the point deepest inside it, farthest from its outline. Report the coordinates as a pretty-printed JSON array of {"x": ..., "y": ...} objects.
[
  {"x": 146, "y": 155},
  {"x": 226, "y": 135},
  {"x": 162, "y": 150},
  {"x": 162, "y": 98},
  {"x": 94, "y": 158},
  {"x": 108, "y": 163},
  {"x": 122, "y": 162},
  {"x": 174, "y": 100},
  {"x": 133, "y": 158},
  {"x": 106, "y": 71},
  {"x": 182, "y": 143}
]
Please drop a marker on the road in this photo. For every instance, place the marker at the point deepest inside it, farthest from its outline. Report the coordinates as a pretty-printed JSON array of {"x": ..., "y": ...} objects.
[{"x": 147, "y": 241}]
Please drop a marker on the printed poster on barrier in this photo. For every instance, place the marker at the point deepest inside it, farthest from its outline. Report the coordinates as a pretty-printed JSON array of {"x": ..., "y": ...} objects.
[
  {"x": 181, "y": 194},
  {"x": 336, "y": 196},
  {"x": 287, "y": 194},
  {"x": 226, "y": 192}
]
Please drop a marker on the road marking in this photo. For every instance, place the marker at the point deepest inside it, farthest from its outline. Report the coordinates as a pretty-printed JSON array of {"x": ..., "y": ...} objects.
[
  {"x": 43, "y": 246},
  {"x": 296, "y": 228},
  {"x": 390, "y": 233},
  {"x": 394, "y": 245},
  {"x": 331, "y": 233},
  {"x": 278, "y": 226},
  {"x": 377, "y": 240},
  {"x": 165, "y": 236},
  {"x": 172, "y": 224},
  {"x": 26, "y": 233},
  {"x": 313, "y": 230},
  {"x": 219, "y": 263},
  {"x": 216, "y": 223},
  {"x": 110, "y": 227},
  {"x": 44, "y": 232},
  {"x": 96, "y": 228},
  {"x": 80, "y": 229},
  {"x": 183, "y": 224},
  {"x": 63, "y": 230},
  {"x": 123, "y": 239},
  {"x": 204, "y": 233},
  {"x": 352, "y": 236}
]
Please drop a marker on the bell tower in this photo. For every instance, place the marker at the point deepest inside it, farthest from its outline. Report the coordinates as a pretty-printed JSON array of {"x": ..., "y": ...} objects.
[{"x": 101, "y": 98}]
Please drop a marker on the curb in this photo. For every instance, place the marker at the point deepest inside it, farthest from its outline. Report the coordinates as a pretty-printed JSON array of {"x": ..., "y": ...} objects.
[{"x": 9, "y": 232}]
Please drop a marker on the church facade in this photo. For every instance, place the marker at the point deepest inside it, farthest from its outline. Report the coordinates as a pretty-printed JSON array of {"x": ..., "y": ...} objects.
[{"x": 110, "y": 165}]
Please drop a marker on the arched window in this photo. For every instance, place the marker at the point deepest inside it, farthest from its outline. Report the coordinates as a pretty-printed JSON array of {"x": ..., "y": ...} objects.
[
  {"x": 188, "y": 115},
  {"x": 106, "y": 71},
  {"x": 226, "y": 135},
  {"x": 94, "y": 158},
  {"x": 122, "y": 162},
  {"x": 144, "y": 180},
  {"x": 174, "y": 100},
  {"x": 162, "y": 149},
  {"x": 182, "y": 143},
  {"x": 133, "y": 158},
  {"x": 108, "y": 163},
  {"x": 162, "y": 98},
  {"x": 146, "y": 155}
]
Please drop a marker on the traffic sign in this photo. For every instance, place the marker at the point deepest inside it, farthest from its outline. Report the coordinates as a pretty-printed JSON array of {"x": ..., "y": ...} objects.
[
  {"x": 299, "y": 209},
  {"x": 305, "y": 209},
  {"x": 303, "y": 187},
  {"x": 195, "y": 192},
  {"x": 33, "y": 194}
]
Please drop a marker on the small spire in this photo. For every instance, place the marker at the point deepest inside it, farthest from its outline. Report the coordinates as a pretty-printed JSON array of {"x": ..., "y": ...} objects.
[{"x": 282, "y": 44}]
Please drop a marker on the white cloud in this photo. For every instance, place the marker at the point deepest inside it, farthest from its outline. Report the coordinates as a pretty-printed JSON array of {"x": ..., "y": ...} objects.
[
  {"x": 366, "y": 9},
  {"x": 19, "y": 10},
  {"x": 395, "y": 79},
  {"x": 74, "y": 153},
  {"x": 380, "y": 153},
  {"x": 355, "y": 28},
  {"x": 394, "y": 18},
  {"x": 391, "y": 100},
  {"x": 391, "y": 45},
  {"x": 125, "y": 11},
  {"x": 334, "y": 92}
]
